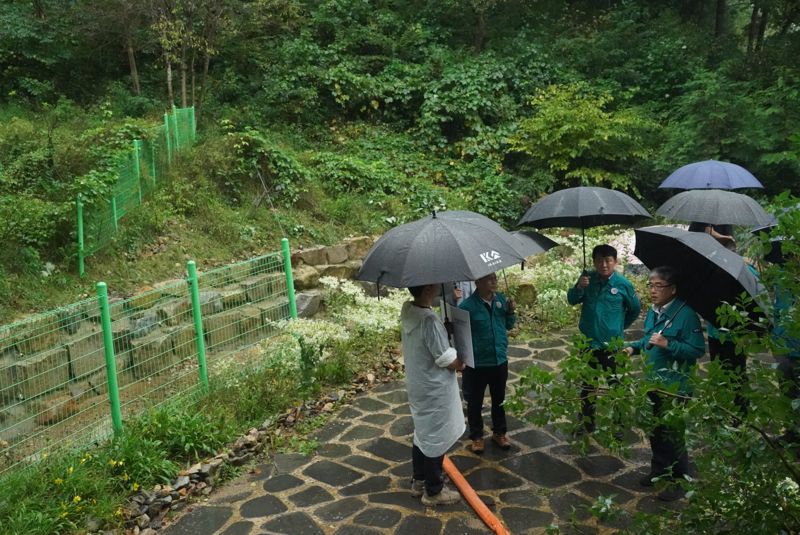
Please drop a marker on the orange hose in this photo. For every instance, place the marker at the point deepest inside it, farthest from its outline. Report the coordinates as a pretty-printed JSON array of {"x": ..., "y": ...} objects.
[{"x": 472, "y": 498}]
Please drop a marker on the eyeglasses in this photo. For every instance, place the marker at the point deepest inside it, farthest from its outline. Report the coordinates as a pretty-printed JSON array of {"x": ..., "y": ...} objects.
[{"x": 658, "y": 286}]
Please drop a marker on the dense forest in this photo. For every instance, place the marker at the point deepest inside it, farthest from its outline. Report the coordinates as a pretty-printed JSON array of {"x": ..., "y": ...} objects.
[{"x": 353, "y": 115}]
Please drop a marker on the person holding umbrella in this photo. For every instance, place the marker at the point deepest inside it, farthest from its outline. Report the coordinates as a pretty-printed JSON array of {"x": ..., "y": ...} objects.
[
  {"x": 431, "y": 366},
  {"x": 609, "y": 305},
  {"x": 491, "y": 316},
  {"x": 672, "y": 343}
]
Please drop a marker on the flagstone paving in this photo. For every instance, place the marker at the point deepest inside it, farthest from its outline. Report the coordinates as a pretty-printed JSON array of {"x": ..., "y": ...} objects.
[{"x": 358, "y": 481}]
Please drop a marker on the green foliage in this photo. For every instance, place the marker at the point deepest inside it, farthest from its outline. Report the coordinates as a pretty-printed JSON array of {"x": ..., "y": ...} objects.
[
  {"x": 247, "y": 157},
  {"x": 183, "y": 433},
  {"x": 342, "y": 174},
  {"x": 578, "y": 136},
  {"x": 747, "y": 479}
]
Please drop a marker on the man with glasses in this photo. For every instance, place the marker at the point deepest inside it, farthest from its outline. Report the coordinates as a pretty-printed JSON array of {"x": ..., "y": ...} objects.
[
  {"x": 672, "y": 343},
  {"x": 609, "y": 305}
]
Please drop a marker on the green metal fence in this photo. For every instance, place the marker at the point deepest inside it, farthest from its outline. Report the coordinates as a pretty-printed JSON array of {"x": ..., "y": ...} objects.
[
  {"x": 73, "y": 375},
  {"x": 139, "y": 172}
]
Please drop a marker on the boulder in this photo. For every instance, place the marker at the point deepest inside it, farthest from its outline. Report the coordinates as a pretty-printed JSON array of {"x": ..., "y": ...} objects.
[
  {"x": 174, "y": 311},
  {"x": 358, "y": 247},
  {"x": 152, "y": 354},
  {"x": 184, "y": 341},
  {"x": 221, "y": 329},
  {"x": 348, "y": 270},
  {"x": 314, "y": 256},
  {"x": 336, "y": 254},
  {"x": 308, "y": 303},
  {"x": 86, "y": 351},
  {"x": 42, "y": 373},
  {"x": 305, "y": 277}
]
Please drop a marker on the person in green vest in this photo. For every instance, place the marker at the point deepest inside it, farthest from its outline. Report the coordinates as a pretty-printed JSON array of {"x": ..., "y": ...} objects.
[
  {"x": 609, "y": 305},
  {"x": 491, "y": 316},
  {"x": 672, "y": 343}
]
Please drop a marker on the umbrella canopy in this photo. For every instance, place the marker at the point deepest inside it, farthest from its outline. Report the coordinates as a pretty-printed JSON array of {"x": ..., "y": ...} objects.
[
  {"x": 442, "y": 247},
  {"x": 584, "y": 207},
  {"x": 711, "y": 174},
  {"x": 533, "y": 243},
  {"x": 708, "y": 272},
  {"x": 715, "y": 207}
]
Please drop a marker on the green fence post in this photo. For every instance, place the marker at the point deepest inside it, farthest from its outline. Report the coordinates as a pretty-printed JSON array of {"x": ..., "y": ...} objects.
[
  {"x": 114, "y": 212},
  {"x": 192, "y": 123},
  {"x": 166, "y": 135},
  {"x": 153, "y": 172},
  {"x": 111, "y": 367},
  {"x": 137, "y": 151},
  {"x": 175, "y": 128},
  {"x": 287, "y": 267},
  {"x": 198, "y": 323},
  {"x": 79, "y": 209}
]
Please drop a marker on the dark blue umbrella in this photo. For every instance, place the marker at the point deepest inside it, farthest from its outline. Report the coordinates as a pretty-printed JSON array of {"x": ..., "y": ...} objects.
[{"x": 711, "y": 174}]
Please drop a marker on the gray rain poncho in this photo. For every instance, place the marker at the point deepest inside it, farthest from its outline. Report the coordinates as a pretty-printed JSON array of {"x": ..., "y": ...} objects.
[{"x": 432, "y": 388}]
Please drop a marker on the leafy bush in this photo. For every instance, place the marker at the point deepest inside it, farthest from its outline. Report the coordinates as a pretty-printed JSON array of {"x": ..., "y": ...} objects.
[
  {"x": 247, "y": 157},
  {"x": 577, "y": 135}
]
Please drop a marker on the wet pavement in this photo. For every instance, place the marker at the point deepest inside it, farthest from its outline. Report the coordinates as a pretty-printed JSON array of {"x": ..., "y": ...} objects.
[{"x": 358, "y": 481}]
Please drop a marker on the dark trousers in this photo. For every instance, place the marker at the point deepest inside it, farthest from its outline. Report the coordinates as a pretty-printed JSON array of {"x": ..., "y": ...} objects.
[
  {"x": 428, "y": 469},
  {"x": 475, "y": 381},
  {"x": 667, "y": 442},
  {"x": 604, "y": 360},
  {"x": 789, "y": 369},
  {"x": 734, "y": 362}
]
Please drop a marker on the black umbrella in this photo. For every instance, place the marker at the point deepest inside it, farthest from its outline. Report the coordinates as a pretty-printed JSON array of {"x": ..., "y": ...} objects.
[
  {"x": 533, "y": 243},
  {"x": 708, "y": 272},
  {"x": 584, "y": 207},
  {"x": 715, "y": 207},
  {"x": 442, "y": 247},
  {"x": 711, "y": 174}
]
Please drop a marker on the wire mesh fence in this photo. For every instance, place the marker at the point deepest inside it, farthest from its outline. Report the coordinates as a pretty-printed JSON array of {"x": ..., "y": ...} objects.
[
  {"x": 54, "y": 368},
  {"x": 139, "y": 172}
]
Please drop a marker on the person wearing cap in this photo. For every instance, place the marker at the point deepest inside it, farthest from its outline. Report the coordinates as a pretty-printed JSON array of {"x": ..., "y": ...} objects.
[{"x": 609, "y": 305}]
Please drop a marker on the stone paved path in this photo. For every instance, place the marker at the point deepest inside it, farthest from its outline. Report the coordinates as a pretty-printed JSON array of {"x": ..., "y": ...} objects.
[{"x": 358, "y": 482}]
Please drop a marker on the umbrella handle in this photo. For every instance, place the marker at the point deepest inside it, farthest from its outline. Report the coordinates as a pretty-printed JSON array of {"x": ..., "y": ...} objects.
[{"x": 666, "y": 324}]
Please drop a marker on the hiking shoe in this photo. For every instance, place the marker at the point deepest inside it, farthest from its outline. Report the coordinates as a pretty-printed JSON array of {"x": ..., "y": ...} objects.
[
  {"x": 647, "y": 481},
  {"x": 671, "y": 493},
  {"x": 417, "y": 487},
  {"x": 502, "y": 441},
  {"x": 445, "y": 497},
  {"x": 477, "y": 446}
]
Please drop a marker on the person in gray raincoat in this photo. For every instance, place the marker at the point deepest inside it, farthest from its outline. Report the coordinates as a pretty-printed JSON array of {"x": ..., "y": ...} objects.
[{"x": 433, "y": 395}]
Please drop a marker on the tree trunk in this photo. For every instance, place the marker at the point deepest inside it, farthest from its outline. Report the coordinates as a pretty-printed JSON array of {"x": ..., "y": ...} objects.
[
  {"x": 184, "y": 70},
  {"x": 204, "y": 79},
  {"x": 751, "y": 28},
  {"x": 479, "y": 39},
  {"x": 719, "y": 19},
  {"x": 762, "y": 28},
  {"x": 134, "y": 70},
  {"x": 170, "y": 93}
]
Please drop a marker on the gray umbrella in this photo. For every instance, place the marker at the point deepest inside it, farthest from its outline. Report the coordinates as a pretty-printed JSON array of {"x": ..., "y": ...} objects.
[
  {"x": 708, "y": 272},
  {"x": 442, "y": 247},
  {"x": 711, "y": 174},
  {"x": 584, "y": 207},
  {"x": 715, "y": 207}
]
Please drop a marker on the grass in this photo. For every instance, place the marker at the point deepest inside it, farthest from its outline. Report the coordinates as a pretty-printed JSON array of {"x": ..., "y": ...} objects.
[{"x": 62, "y": 491}]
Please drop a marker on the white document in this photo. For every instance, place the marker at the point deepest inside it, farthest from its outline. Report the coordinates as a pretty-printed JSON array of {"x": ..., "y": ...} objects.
[{"x": 462, "y": 335}]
